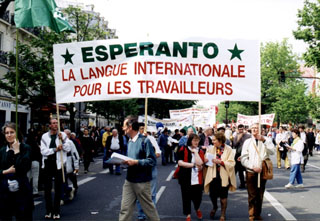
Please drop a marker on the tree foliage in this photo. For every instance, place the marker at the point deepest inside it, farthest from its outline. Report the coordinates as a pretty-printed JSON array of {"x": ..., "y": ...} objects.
[
  {"x": 160, "y": 107},
  {"x": 288, "y": 100},
  {"x": 309, "y": 31},
  {"x": 36, "y": 78},
  {"x": 246, "y": 108},
  {"x": 36, "y": 71},
  {"x": 292, "y": 103}
]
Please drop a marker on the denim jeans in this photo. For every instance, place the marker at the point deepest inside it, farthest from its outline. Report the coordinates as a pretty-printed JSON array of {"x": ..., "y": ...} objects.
[
  {"x": 141, "y": 214},
  {"x": 111, "y": 165},
  {"x": 163, "y": 155},
  {"x": 295, "y": 173}
]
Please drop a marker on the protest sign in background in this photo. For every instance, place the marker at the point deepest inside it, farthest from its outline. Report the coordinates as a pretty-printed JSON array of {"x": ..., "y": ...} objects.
[
  {"x": 187, "y": 69},
  {"x": 201, "y": 117},
  {"x": 266, "y": 119},
  {"x": 171, "y": 124}
]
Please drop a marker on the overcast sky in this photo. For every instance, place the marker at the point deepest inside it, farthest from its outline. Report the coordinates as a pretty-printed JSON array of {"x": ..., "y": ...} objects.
[{"x": 265, "y": 20}]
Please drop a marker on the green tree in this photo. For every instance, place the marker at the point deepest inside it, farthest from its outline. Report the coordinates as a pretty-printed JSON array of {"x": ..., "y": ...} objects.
[
  {"x": 161, "y": 107},
  {"x": 275, "y": 58},
  {"x": 89, "y": 26},
  {"x": 313, "y": 107},
  {"x": 309, "y": 31},
  {"x": 35, "y": 78},
  {"x": 36, "y": 72},
  {"x": 275, "y": 95},
  {"x": 115, "y": 110},
  {"x": 292, "y": 103},
  {"x": 246, "y": 108}
]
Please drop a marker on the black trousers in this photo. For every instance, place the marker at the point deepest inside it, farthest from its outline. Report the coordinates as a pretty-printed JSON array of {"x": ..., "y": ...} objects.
[
  {"x": 191, "y": 193},
  {"x": 17, "y": 205},
  {"x": 217, "y": 190},
  {"x": 73, "y": 177},
  {"x": 240, "y": 169},
  {"x": 50, "y": 173},
  {"x": 87, "y": 157}
]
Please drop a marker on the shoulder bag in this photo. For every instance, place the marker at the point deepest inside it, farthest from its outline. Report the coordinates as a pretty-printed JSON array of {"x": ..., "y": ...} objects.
[{"x": 267, "y": 167}]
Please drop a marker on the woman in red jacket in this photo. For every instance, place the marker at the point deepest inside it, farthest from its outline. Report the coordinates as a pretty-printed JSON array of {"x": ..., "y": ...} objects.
[{"x": 190, "y": 161}]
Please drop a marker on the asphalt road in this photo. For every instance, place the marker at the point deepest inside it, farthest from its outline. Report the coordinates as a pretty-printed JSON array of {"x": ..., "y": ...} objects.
[{"x": 99, "y": 197}]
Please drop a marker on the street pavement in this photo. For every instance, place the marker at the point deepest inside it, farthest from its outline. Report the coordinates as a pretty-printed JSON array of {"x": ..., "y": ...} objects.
[{"x": 99, "y": 196}]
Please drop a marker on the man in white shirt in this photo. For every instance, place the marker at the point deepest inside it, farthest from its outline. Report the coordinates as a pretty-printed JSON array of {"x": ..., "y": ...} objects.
[
  {"x": 52, "y": 143},
  {"x": 114, "y": 144},
  {"x": 281, "y": 138},
  {"x": 254, "y": 151}
]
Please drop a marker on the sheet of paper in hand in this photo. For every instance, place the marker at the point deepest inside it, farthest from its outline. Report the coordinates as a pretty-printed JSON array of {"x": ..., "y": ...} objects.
[
  {"x": 117, "y": 158},
  {"x": 210, "y": 157}
]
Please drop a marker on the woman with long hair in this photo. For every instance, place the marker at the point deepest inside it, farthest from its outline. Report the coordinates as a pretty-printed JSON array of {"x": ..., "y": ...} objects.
[
  {"x": 296, "y": 149},
  {"x": 15, "y": 189}
]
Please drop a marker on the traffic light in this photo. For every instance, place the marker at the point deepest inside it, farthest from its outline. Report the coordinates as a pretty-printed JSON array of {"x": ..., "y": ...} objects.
[
  {"x": 282, "y": 77},
  {"x": 226, "y": 104}
]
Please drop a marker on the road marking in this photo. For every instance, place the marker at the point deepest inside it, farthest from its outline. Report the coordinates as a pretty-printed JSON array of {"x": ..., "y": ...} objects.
[
  {"x": 313, "y": 166},
  {"x": 279, "y": 207},
  {"x": 170, "y": 176},
  {"x": 98, "y": 161},
  {"x": 85, "y": 180},
  {"x": 79, "y": 183},
  {"x": 105, "y": 171},
  {"x": 37, "y": 202},
  {"x": 159, "y": 193}
]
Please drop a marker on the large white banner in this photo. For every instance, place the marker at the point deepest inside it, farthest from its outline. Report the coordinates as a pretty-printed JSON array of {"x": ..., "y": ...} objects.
[
  {"x": 266, "y": 119},
  {"x": 201, "y": 117},
  {"x": 171, "y": 124},
  {"x": 182, "y": 69}
]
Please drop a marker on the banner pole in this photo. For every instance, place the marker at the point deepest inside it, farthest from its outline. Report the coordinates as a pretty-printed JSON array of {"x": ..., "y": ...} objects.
[
  {"x": 60, "y": 141},
  {"x": 259, "y": 174},
  {"x": 145, "y": 114},
  {"x": 17, "y": 76}
]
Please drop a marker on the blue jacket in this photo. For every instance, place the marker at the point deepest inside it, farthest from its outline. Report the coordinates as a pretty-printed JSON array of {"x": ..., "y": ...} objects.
[
  {"x": 142, "y": 150},
  {"x": 163, "y": 140},
  {"x": 183, "y": 141}
]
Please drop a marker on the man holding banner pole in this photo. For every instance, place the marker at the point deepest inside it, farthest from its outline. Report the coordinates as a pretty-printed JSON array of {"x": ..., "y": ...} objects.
[
  {"x": 254, "y": 151},
  {"x": 52, "y": 162}
]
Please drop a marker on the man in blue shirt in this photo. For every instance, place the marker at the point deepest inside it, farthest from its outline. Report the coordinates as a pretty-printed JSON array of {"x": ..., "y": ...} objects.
[
  {"x": 137, "y": 184},
  {"x": 163, "y": 143}
]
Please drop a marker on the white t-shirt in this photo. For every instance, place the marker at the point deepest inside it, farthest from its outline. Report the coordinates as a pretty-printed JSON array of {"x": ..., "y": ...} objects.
[
  {"x": 115, "y": 143},
  {"x": 194, "y": 171}
]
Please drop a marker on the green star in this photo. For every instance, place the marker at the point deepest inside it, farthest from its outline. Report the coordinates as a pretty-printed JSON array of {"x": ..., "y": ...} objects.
[
  {"x": 235, "y": 52},
  {"x": 67, "y": 57}
]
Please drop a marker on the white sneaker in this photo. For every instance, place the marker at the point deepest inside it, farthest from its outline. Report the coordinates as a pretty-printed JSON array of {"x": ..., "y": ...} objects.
[
  {"x": 57, "y": 216},
  {"x": 72, "y": 194},
  {"x": 61, "y": 202},
  {"x": 300, "y": 186},
  {"x": 289, "y": 186}
]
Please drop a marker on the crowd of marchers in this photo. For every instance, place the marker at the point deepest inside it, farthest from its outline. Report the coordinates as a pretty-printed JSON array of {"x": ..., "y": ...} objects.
[{"x": 208, "y": 161}]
